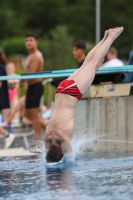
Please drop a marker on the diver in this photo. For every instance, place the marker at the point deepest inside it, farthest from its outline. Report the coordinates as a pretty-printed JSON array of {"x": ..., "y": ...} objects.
[{"x": 61, "y": 125}]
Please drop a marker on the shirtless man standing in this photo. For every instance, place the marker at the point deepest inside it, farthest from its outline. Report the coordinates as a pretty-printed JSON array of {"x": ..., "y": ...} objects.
[
  {"x": 61, "y": 125},
  {"x": 34, "y": 63}
]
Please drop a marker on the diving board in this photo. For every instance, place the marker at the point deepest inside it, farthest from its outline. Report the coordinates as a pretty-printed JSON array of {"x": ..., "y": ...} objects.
[
  {"x": 67, "y": 72},
  {"x": 16, "y": 152}
]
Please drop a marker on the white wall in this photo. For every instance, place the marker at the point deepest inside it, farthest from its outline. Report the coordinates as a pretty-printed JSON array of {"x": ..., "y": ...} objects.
[{"x": 113, "y": 117}]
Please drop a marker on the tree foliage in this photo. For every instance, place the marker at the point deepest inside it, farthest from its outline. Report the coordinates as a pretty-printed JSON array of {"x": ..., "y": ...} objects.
[
  {"x": 42, "y": 16},
  {"x": 58, "y": 53},
  {"x": 119, "y": 13},
  {"x": 19, "y": 17}
]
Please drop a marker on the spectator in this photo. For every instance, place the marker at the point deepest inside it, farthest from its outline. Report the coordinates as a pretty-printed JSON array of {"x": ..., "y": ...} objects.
[
  {"x": 4, "y": 102},
  {"x": 112, "y": 60},
  {"x": 129, "y": 75},
  {"x": 13, "y": 90},
  {"x": 79, "y": 52},
  {"x": 9, "y": 137},
  {"x": 20, "y": 107},
  {"x": 130, "y": 60},
  {"x": 34, "y": 93}
]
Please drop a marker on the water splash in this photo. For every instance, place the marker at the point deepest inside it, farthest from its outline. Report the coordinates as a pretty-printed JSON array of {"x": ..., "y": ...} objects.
[
  {"x": 78, "y": 142},
  {"x": 68, "y": 159},
  {"x": 66, "y": 162},
  {"x": 36, "y": 145},
  {"x": 120, "y": 141}
]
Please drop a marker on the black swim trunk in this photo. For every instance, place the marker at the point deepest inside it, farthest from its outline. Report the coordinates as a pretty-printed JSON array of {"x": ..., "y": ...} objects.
[
  {"x": 4, "y": 98},
  {"x": 4, "y": 102},
  {"x": 33, "y": 95}
]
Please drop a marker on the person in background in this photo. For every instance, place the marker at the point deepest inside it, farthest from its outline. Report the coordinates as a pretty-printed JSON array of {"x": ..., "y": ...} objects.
[
  {"x": 129, "y": 75},
  {"x": 35, "y": 88},
  {"x": 112, "y": 58},
  {"x": 4, "y": 102},
  {"x": 9, "y": 137},
  {"x": 79, "y": 52},
  {"x": 20, "y": 107},
  {"x": 13, "y": 90}
]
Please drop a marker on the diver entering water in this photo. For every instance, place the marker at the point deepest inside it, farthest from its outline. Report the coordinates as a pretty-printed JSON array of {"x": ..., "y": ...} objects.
[{"x": 61, "y": 125}]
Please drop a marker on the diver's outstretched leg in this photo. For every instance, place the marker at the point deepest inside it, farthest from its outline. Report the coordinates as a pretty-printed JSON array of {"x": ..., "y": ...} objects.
[
  {"x": 89, "y": 57},
  {"x": 87, "y": 74}
]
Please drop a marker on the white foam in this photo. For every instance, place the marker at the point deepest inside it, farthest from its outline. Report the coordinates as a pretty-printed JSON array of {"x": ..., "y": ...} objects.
[
  {"x": 78, "y": 142},
  {"x": 68, "y": 159}
]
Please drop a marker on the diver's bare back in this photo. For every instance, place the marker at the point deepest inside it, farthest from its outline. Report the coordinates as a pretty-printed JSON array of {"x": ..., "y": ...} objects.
[
  {"x": 63, "y": 118},
  {"x": 34, "y": 59}
]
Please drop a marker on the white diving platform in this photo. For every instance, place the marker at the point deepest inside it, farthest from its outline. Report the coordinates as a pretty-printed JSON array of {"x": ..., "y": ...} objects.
[{"x": 16, "y": 152}]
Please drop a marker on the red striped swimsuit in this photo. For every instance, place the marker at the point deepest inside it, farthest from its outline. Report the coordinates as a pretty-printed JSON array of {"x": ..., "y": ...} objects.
[{"x": 69, "y": 87}]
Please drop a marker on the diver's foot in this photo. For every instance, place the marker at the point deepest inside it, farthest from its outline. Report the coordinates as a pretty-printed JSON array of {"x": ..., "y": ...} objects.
[
  {"x": 115, "y": 32},
  {"x": 106, "y": 34}
]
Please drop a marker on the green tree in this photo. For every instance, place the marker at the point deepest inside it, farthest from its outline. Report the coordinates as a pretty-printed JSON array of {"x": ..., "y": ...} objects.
[
  {"x": 119, "y": 13},
  {"x": 19, "y": 17},
  {"x": 58, "y": 49}
]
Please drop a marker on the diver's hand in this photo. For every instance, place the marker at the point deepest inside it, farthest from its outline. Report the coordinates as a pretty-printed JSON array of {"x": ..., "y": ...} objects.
[{"x": 66, "y": 148}]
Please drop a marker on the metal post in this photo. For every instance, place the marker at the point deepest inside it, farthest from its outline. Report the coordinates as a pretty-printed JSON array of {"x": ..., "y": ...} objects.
[{"x": 98, "y": 21}]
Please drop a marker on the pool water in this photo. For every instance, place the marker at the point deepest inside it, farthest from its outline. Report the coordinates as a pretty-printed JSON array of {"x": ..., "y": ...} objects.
[{"x": 95, "y": 176}]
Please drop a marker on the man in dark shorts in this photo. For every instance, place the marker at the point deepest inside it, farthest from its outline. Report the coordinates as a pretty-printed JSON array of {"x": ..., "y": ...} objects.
[
  {"x": 34, "y": 93},
  {"x": 79, "y": 52},
  {"x": 4, "y": 102}
]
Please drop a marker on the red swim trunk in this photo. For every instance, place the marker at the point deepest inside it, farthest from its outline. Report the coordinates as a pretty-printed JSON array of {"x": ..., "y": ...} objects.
[{"x": 69, "y": 87}]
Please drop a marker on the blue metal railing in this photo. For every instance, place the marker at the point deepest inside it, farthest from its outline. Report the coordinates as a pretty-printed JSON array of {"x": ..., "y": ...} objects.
[{"x": 67, "y": 72}]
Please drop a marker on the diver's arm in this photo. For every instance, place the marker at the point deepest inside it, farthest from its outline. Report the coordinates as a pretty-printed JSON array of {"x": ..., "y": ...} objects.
[{"x": 66, "y": 147}]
